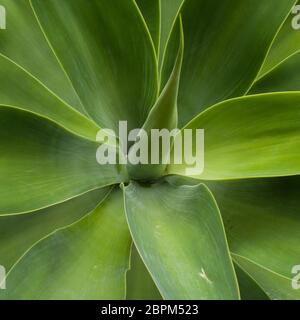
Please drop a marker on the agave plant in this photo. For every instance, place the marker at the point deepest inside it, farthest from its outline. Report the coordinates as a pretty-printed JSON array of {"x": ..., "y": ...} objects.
[{"x": 73, "y": 229}]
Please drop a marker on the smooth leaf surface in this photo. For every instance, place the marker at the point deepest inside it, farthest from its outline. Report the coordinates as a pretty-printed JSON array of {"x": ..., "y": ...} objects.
[
  {"x": 111, "y": 60},
  {"x": 20, "y": 89},
  {"x": 24, "y": 43},
  {"x": 20, "y": 232},
  {"x": 151, "y": 12},
  {"x": 140, "y": 285},
  {"x": 169, "y": 12},
  {"x": 87, "y": 260},
  {"x": 276, "y": 286},
  {"x": 166, "y": 104},
  {"x": 262, "y": 220},
  {"x": 179, "y": 234},
  {"x": 254, "y": 136},
  {"x": 42, "y": 164},
  {"x": 249, "y": 288},
  {"x": 285, "y": 77},
  {"x": 286, "y": 43},
  {"x": 223, "y": 49}
]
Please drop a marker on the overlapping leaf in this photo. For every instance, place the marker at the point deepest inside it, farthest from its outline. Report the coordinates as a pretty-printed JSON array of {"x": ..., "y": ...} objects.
[
  {"x": 254, "y": 136},
  {"x": 42, "y": 164},
  {"x": 179, "y": 235},
  {"x": 87, "y": 260},
  {"x": 108, "y": 55}
]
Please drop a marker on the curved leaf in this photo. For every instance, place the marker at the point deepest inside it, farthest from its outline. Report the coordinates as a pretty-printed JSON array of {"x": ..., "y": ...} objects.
[
  {"x": 180, "y": 237},
  {"x": 42, "y": 164},
  {"x": 20, "y": 89},
  {"x": 140, "y": 285},
  {"x": 275, "y": 285},
  {"x": 151, "y": 13},
  {"x": 166, "y": 104},
  {"x": 285, "y": 77},
  {"x": 249, "y": 289},
  {"x": 111, "y": 60},
  {"x": 20, "y": 232},
  {"x": 286, "y": 43},
  {"x": 22, "y": 34},
  {"x": 223, "y": 49},
  {"x": 254, "y": 136},
  {"x": 262, "y": 220},
  {"x": 87, "y": 260}
]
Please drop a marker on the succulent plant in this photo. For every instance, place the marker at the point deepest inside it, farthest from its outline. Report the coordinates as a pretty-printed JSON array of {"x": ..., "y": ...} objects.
[{"x": 71, "y": 228}]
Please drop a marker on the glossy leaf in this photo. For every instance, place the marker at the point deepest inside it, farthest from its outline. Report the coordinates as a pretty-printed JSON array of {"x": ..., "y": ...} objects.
[
  {"x": 42, "y": 164},
  {"x": 24, "y": 42},
  {"x": 223, "y": 49},
  {"x": 111, "y": 61},
  {"x": 87, "y": 260},
  {"x": 20, "y": 89},
  {"x": 180, "y": 237},
  {"x": 20, "y": 232},
  {"x": 254, "y": 136},
  {"x": 261, "y": 218}
]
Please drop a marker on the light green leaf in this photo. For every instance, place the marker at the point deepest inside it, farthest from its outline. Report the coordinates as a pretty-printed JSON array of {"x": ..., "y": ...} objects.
[
  {"x": 262, "y": 220},
  {"x": 108, "y": 55},
  {"x": 254, "y": 136},
  {"x": 223, "y": 49},
  {"x": 286, "y": 43},
  {"x": 42, "y": 164},
  {"x": 20, "y": 232},
  {"x": 180, "y": 237},
  {"x": 24, "y": 43},
  {"x": 20, "y": 89},
  {"x": 285, "y": 77},
  {"x": 140, "y": 285},
  {"x": 87, "y": 260}
]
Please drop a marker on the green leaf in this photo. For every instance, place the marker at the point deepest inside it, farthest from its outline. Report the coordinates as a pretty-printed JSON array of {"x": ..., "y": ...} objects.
[
  {"x": 223, "y": 49},
  {"x": 285, "y": 77},
  {"x": 24, "y": 43},
  {"x": 254, "y": 136},
  {"x": 262, "y": 220},
  {"x": 166, "y": 104},
  {"x": 151, "y": 13},
  {"x": 286, "y": 43},
  {"x": 108, "y": 55},
  {"x": 42, "y": 164},
  {"x": 20, "y": 232},
  {"x": 276, "y": 286},
  {"x": 20, "y": 89},
  {"x": 87, "y": 260},
  {"x": 249, "y": 288},
  {"x": 140, "y": 285},
  {"x": 169, "y": 11},
  {"x": 179, "y": 234}
]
